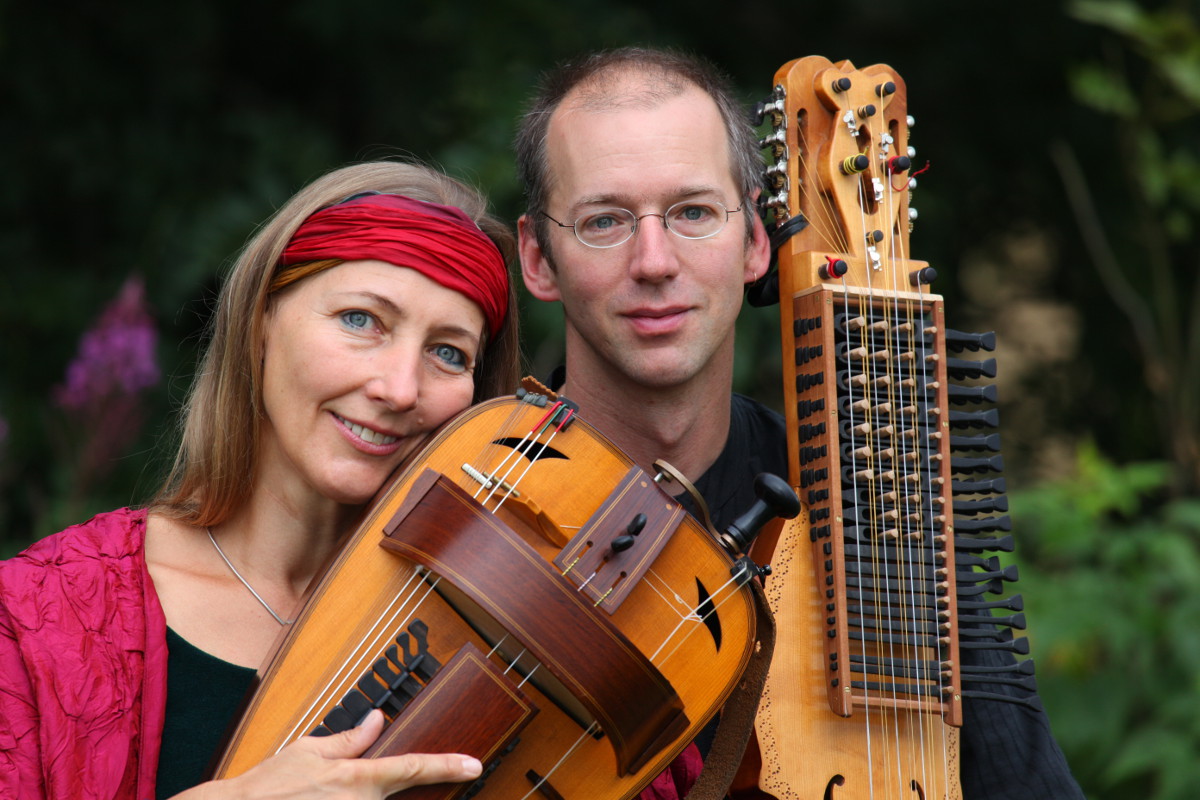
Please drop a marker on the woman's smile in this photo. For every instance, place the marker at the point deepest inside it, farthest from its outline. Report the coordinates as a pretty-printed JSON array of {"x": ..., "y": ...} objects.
[
  {"x": 379, "y": 353},
  {"x": 365, "y": 433}
]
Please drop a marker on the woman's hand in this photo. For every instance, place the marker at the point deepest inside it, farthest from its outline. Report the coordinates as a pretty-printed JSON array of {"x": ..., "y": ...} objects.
[{"x": 328, "y": 767}]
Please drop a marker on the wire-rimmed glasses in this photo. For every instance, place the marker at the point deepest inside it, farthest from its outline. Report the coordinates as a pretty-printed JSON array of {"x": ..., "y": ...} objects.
[{"x": 609, "y": 227}]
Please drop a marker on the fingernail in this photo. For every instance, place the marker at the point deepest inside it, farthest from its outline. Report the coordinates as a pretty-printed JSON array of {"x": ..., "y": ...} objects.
[{"x": 472, "y": 766}]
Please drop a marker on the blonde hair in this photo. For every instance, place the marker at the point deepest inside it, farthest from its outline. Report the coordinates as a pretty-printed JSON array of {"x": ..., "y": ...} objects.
[{"x": 216, "y": 461}]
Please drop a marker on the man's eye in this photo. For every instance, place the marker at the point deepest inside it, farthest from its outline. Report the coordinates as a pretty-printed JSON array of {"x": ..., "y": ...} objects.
[
  {"x": 359, "y": 320},
  {"x": 601, "y": 222},
  {"x": 695, "y": 213}
]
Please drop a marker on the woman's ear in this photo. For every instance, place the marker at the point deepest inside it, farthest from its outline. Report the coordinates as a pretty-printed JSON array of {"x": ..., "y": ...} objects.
[{"x": 536, "y": 269}]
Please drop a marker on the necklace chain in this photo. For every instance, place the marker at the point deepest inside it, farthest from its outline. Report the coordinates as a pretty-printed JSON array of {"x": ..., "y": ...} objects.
[{"x": 245, "y": 583}]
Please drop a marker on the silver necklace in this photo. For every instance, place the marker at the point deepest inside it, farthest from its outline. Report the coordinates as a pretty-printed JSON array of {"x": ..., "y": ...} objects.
[{"x": 245, "y": 583}]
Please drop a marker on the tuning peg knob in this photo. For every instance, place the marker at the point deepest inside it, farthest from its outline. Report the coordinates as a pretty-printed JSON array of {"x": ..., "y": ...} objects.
[
  {"x": 833, "y": 268},
  {"x": 622, "y": 543},
  {"x": 853, "y": 165},
  {"x": 775, "y": 499}
]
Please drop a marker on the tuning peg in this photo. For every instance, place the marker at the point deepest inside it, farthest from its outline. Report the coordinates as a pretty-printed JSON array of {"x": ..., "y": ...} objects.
[
  {"x": 964, "y": 544},
  {"x": 924, "y": 276},
  {"x": 983, "y": 525},
  {"x": 1014, "y": 603},
  {"x": 989, "y": 505},
  {"x": 963, "y": 368},
  {"x": 624, "y": 542},
  {"x": 776, "y": 140},
  {"x": 758, "y": 114},
  {"x": 965, "y": 464},
  {"x": 992, "y": 486},
  {"x": 971, "y": 394},
  {"x": 775, "y": 499},
  {"x": 989, "y": 418},
  {"x": 1019, "y": 646},
  {"x": 1023, "y": 681},
  {"x": 958, "y": 341},
  {"x": 1013, "y": 620},
  {"x": 762, "y": 109},
  {"x": 1008, "y": 573},
  {"x": 833, "y": 268},
  {"x": 853, "y": 165},
  {"x": 990, "y": 441}
]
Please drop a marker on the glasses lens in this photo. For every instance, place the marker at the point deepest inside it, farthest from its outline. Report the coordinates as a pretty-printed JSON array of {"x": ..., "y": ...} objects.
[
  {"x": 606, "y": 228},
  {"x": 696, "y": 220}
]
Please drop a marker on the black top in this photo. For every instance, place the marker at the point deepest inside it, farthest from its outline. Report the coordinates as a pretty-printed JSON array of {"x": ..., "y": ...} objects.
[
  {"x": 204, "y": 694},
  {"x": 757, "y": 443}
]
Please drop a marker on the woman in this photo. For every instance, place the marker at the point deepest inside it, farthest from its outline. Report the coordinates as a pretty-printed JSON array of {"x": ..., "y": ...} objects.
[{"x": 371, "y": 308}]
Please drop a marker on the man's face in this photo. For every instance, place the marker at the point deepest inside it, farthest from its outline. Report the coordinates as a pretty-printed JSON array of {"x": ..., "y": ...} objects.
[{"x": 657, "y": 311}]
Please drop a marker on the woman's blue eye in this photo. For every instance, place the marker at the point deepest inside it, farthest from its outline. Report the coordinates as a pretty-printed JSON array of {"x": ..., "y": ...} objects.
[
  {"x": 451, "y": 355},
  {"x": 356, "y": 319}
]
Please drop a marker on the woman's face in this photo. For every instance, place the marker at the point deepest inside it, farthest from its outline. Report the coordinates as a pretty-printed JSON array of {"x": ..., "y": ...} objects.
[{"x": 360, "y": 362}]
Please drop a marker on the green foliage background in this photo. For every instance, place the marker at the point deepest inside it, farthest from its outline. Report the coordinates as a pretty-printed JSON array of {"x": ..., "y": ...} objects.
[{"x": 1060, "y": 209}]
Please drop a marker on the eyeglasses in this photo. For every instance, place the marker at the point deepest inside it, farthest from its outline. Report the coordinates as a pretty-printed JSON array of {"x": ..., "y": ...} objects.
[{"x": 610, "y": 227}]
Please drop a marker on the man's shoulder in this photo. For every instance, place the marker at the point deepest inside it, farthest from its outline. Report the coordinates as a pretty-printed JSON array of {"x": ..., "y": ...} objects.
[
  {"x": 757, "y": 438},
  {"x": 749, "y": 416},
  {"x": 757, "y": 442}
]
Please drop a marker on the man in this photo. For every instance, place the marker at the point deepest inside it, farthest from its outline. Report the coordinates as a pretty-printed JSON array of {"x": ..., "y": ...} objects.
[{"x": 641, "y": 174}]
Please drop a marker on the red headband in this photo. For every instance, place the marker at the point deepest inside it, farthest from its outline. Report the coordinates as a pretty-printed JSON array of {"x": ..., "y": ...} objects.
[{"x": 440, "y": 242}]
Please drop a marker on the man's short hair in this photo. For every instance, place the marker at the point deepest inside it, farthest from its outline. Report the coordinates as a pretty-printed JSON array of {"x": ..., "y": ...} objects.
[{"x": 658, "y": 74}]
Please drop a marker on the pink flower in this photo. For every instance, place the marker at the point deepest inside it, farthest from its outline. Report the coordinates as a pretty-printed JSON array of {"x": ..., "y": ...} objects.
[
  {"x": 116, "y": 356},
  {"x": 101, "y": 394}
]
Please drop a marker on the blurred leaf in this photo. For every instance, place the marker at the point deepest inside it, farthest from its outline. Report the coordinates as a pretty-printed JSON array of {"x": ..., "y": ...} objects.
[
  {"x": 1113, "y": 582},
  {"x": 1149, "y": 750},
  {"x": 1168, "y": 37},
  {"x": 1119, "y": 15},
  {"x": 1102, "y": 90}
]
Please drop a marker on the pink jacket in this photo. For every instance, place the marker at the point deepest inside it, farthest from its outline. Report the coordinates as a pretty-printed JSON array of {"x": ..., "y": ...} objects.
[{"x": 83, "y": 662}]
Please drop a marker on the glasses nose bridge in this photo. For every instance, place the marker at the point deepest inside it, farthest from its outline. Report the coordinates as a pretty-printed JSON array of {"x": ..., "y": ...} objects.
[{"x": 637, "y": 221}]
